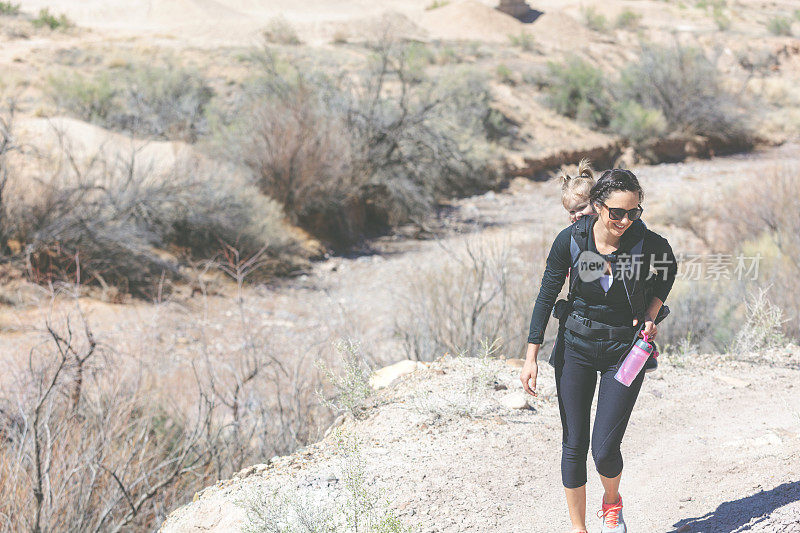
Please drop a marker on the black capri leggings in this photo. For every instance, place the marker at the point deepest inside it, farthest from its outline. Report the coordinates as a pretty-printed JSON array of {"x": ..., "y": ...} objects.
[{"x": 576, "y": 377}]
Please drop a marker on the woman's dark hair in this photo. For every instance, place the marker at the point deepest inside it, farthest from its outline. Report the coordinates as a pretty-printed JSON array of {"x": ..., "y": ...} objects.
[{"x": 615, "y": 179}]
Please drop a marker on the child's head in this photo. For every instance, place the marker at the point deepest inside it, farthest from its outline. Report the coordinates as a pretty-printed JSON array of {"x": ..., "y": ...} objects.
[{"x": 575, "y": 191}]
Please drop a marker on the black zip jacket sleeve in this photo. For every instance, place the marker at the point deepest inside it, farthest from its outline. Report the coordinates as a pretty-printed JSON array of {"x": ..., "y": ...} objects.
[
  {"x": 663, "y": 268},
  {"x": 558, "y": 263}
]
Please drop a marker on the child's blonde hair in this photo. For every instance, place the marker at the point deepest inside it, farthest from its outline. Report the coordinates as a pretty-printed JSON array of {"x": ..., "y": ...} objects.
[{"x": 577, "y": 186}]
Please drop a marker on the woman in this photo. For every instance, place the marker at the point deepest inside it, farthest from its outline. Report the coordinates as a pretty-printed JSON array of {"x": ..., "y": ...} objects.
[
  {"x": 575, "y": 192},
  {"x": 605, "y": 302}
]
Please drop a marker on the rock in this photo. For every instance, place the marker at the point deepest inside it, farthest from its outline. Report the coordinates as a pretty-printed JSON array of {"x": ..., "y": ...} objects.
[
  {"x": 519, "y": 9},
  {"x": 516, "y": 363},
  {"x": 384, "y": 377},
  {"x": 515, "y": 400},
  {"x": 732, "y": 381}
]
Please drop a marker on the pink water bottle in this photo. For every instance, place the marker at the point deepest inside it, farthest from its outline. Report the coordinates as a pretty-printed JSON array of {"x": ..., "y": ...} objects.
[{"x": 634, "y": 362}]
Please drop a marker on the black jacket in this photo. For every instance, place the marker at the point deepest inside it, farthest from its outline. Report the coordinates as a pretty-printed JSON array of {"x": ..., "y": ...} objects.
[{"x": 591, "y": 300}]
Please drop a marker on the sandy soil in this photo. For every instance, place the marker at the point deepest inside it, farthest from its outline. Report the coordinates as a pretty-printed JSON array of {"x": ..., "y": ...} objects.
[
  {"x": 712, "y": 446},
  {"x": 225, "y": 22}
]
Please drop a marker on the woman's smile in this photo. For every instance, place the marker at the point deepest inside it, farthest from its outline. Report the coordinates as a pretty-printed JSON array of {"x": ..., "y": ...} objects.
[{"x": 620, "y": 227}]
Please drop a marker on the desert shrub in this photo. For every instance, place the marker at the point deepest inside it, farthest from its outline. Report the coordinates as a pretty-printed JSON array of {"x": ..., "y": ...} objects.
[
  {"x": 593, "y": 20},
  {"x": 106, "y": 217},
  {"x": 780, "y": 26},
  {"x": 766, "y": 226},
  {"x": 104, "y": 433},
  {"x": 722, "y": 21},
  {"x": 9, "y": 8},
  {"x": 764, "y": 326},
  {"x": 628, "y": 19},
  {"x": 713, "y": 4},
  {"x": 349, "y": 156},
  {"x": 637, "y": 123},
  {"x": 355, "y": 507},
  {"x": 504, "y": 74},
  {"x": 578, "y": 90},
  {"x": 762, "y": 247},
  {"x": 417, "y": 58},
  {"x": 667, "y": 90},
  {"x": 352, "y": 387},
  {"x": 164, "y": 102},
  {"x": 83, "y": 447},
  {"x": 454, "y": 306},
  {"x": 436, "y": 4},
  {"x": 447, "y": 56},
  {"x": 280, "y": 31},
  {"x": 89, "y": 98},
  {"x": 700, "y": 315},
  {"x": 167, "y": 102},
  {"x": 523, "y": 40},
  {"x": 683, "y": 84},
  {"x": 46, "y": 18}
]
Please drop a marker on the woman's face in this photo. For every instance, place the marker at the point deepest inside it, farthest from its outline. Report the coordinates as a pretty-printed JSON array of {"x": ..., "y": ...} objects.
[
  {"x": 623, "y": 199},
  {"x": 578, "y": 207}
]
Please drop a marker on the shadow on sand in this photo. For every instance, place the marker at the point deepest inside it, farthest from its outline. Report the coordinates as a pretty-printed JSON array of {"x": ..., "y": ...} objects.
[{"x": 736, "y": 515}]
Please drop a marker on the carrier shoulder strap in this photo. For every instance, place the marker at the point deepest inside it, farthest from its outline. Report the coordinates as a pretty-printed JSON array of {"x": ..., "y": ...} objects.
[
  {"x": 636, "y": 295},
  {"x": 579, "y": 242}
]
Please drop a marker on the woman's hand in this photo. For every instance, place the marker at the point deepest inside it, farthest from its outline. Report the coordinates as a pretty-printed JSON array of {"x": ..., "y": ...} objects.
[
  {"x": 530, "y": 370},
  {"x": 650, "y": 329}
]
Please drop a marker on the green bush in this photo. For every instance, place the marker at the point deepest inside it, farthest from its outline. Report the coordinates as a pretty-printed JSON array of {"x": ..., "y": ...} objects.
[
  {"x": 167, "y": 102},
  {"x": 523, "y": 40},
  {"x": 436, "y": 4},
  {"x": 89, "y": 98},
  {"x": 578, "y": 90},
  {"x": 700, "y": 317},
  {"x": 704, "y": 4},
  {"x": 722, "y": 21},
  {"x": 780, "y": 26},
  {"x": 447, "y": 55},
  {"x": 418, "y": 57},
  {"x": 636, "y": 123},
  {"x": 280, "y": 31},
  {"x": 53, "y": 22},
  {"x": 684, "y": 86},
  {"x": 628, "y": 19},
  {"x": 593, "y": 20},
  {"x": 7, "y": 8},
  {"x": 666, "y": 90},
  {"x": 505, "y": 74}
]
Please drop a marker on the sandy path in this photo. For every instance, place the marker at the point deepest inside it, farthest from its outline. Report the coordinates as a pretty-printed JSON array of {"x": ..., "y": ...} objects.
[{"x": 712, "y": 447}]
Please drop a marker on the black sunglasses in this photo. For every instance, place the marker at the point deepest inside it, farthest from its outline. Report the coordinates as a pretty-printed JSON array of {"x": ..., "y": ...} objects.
[{"x": 617, "y": 213}]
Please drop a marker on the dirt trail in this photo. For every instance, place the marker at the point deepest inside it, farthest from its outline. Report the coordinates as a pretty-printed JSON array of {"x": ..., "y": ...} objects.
[{"x": 713, "y": 445}]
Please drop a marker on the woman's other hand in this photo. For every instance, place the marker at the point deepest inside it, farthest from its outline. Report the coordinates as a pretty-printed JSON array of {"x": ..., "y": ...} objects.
[
  {"x": 650, "y": 329},
  {"x": 530, "y": 370}
]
